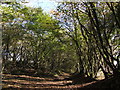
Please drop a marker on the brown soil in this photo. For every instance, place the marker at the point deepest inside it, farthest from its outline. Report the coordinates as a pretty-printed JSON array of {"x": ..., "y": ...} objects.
[
  {"x": 24, "y": 82},
  {"x": 112, "y": 82},
  {"x": 11, "y": 82}
]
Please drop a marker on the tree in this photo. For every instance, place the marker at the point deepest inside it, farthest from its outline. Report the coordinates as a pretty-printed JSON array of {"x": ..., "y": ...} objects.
[
  {"x": 92, "y": 25},
  {"x": 34, "y": 40}
]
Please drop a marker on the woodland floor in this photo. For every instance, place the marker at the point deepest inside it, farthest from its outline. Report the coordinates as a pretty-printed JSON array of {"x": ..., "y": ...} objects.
[{"x": 24, "y": 82}]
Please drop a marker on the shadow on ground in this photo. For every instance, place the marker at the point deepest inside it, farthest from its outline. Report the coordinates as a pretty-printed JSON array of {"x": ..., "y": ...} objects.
[{"x": 65, "y": 81}]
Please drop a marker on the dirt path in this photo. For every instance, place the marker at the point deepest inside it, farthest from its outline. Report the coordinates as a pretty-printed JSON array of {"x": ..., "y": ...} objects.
[{"x": 29, "y": 82}]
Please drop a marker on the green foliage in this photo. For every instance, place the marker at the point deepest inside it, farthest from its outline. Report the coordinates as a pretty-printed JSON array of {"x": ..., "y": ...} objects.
[
  {"x": 92, "y": 27},
  {"x": 83, "y": 37},
  {"x": 33, "y": 40}
]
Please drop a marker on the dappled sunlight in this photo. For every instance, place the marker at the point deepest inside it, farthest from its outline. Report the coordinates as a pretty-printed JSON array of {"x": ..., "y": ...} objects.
[
  {"x": 16, "y": 83},
  {"x": 25, "y": 76},
  {"x": 60, "y": 45}
]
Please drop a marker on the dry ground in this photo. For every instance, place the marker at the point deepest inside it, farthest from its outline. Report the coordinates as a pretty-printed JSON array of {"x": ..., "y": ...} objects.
[{"x": 24, "y": 82}]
